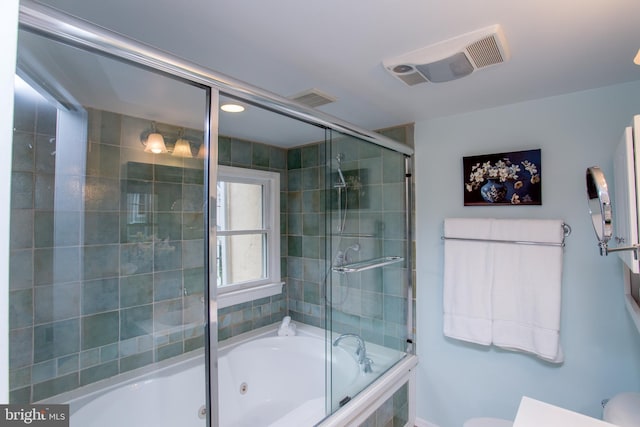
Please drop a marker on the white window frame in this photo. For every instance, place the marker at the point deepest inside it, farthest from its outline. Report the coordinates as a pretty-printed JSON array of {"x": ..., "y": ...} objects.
[{"x": 272, "y": 283}]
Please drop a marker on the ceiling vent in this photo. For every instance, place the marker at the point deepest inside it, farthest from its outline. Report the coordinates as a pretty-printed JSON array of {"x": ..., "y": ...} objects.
[
  {"x": 313, "y": 98},
  {"x": 451, "y": 59}
]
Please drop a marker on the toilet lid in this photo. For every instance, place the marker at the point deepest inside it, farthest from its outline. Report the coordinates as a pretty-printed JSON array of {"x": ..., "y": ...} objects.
[
  {"x": 623, "y": 410},
  {"x": 488, "y": 422}
]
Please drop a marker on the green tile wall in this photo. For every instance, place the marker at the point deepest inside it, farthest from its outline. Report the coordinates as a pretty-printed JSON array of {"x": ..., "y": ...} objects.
[
  {"x": 370, "y": 303},
  {"x": 91, "y": 294},
  {"x": 394, "y": 412}
]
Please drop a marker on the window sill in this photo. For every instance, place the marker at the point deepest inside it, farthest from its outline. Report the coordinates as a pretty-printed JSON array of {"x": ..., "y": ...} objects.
[{"x": 250, "y": 294}]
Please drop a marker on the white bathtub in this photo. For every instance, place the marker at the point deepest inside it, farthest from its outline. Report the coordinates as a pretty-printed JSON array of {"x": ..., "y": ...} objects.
[{"x": 264, "y": 380}]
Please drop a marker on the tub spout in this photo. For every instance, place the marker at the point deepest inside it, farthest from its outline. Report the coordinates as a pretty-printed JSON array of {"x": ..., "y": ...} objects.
[{"x": 361, "y": 352}]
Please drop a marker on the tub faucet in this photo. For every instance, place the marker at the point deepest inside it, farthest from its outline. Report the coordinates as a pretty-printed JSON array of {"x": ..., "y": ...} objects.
[{"x": 361, "y": 352}]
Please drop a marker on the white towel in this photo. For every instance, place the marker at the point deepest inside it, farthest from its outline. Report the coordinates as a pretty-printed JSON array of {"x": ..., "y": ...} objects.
[
  {"x": 468, "y": 275},
  {"x": 502, "y": 293},
  {"x": 527, "y": 287}
]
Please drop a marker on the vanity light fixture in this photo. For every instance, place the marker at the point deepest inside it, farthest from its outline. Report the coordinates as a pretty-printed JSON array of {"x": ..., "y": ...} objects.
[
  {"x": 636, "y": 60},
  {"x": 232, "y": 108},
  {"x": 182, "y": 149},
  {"x": 153, "y": 141},
  {"x": 202, "y": 152},
  {"x": 170, "y": 140}
]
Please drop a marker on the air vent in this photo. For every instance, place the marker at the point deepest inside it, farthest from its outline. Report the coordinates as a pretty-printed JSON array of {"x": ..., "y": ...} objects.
[
  {"x": 412, "y": 78},
  {"x": 485, "y": 52},
  {"x": 313, "y": 98},
  {"x": 451, "y": 59}
]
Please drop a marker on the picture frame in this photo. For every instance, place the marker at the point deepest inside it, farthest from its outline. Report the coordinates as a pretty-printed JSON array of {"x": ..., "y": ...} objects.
[{"x": 503, "y": 179}]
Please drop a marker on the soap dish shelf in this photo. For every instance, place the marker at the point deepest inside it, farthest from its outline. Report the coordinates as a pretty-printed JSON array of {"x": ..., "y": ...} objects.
[{"x": 357, "y": 267}]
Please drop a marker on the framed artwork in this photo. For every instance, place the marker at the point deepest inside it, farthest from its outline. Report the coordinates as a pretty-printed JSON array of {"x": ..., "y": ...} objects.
[{"x": 512, "y": 179}]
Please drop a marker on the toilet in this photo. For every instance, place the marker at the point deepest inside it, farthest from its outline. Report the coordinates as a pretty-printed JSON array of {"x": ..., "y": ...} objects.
[{"x": 623, "y": 410}]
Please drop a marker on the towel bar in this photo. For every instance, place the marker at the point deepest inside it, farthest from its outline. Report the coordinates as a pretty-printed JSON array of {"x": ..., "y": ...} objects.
[
  {"x": 565, "y": 227},
  {"x": 367, "y": 265}
]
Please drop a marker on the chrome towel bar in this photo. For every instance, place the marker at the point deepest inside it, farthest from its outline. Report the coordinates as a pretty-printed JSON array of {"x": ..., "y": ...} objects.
[{"x": 565, "y": 227}]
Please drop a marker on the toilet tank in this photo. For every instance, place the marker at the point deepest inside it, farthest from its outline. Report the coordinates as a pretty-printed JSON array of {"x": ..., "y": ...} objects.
[{"x": 623, "y": 410}]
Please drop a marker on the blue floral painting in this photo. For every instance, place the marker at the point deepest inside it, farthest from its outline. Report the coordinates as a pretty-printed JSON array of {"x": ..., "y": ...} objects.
[{"x": 503, "y": 179}]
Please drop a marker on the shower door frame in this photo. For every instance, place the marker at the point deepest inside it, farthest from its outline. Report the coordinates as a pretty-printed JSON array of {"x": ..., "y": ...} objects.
[{"x": 51, "y": 23}]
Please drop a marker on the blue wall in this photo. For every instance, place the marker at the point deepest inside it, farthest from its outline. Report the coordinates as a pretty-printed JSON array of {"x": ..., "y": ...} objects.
[{"x": 457, "y": 381}]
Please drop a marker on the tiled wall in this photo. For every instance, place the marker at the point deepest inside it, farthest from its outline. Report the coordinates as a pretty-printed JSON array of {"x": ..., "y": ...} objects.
[
  {"x": 306, "y": 234},
  {"x": 32, "y": 184},
  {"x": 394, "y": 412},
  {"x": 370, "y": 303},
  {"x": 92, "y": 293}
]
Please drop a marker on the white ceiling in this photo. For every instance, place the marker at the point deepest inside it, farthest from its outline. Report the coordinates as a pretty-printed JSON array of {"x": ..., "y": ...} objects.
[{"x": 337, "y": 46}]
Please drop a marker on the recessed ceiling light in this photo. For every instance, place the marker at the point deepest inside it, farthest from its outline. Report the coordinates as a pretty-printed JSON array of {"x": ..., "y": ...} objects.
[{"x": 232, "y": 108}]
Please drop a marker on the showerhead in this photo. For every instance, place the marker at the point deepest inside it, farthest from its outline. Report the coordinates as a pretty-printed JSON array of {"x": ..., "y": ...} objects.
[
  {"x": 339, "y": 185},
  {"x": 341, "y": 181}
]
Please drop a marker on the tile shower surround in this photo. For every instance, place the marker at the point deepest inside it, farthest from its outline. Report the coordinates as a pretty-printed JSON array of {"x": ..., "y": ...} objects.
[
  {"x": 114, "y": 298},
  {"x": 96, "y": 321},
  {"x": 370, "y": 303}
]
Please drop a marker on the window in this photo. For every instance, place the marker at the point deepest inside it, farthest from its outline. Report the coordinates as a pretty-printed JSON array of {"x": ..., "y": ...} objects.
[{"x": 248, "y": 234}]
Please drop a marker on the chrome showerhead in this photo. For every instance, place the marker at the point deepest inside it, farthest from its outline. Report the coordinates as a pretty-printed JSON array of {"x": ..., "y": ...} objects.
[{"x": 341, "y": 183}]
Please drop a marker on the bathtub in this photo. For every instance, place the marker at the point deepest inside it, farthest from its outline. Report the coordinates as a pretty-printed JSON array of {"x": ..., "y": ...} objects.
[
  {"x": 278, "y": 381},
  {"x": 264, "y": 380}
]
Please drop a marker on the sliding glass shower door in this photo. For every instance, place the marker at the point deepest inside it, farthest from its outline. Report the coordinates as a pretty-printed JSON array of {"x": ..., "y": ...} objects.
[
  {"x": 368, "y": 298},
  {"x": 108, "y": 262},
  {"x": 115, "y": 241}
]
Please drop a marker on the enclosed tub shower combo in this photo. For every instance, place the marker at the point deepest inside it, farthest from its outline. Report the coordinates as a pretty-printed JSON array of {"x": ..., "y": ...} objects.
[{"x": 175, "y": 264}]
